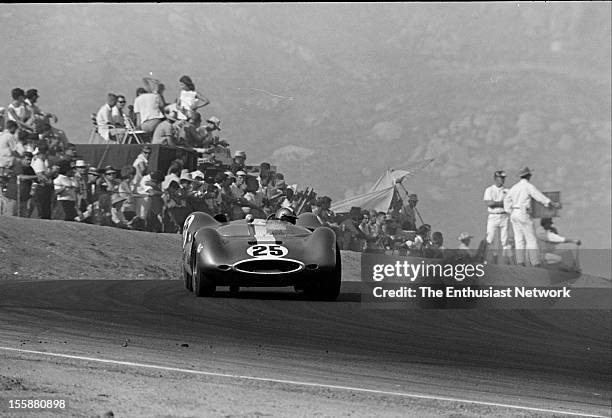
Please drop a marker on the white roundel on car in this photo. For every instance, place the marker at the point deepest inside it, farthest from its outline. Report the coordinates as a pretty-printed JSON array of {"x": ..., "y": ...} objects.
[{"x": 267, "y": 250}]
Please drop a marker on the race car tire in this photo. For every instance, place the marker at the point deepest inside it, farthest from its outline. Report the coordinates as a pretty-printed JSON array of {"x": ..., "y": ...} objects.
[
  {"x": 188, "y": 280},
  {"x": 327, "y": 289},
  {"x": 201, "y": 285}
]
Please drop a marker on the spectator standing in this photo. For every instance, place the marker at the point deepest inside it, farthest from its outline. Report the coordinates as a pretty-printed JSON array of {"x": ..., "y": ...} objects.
[
  {"x": 130, "y": 108},
  {"x": 8, "y": 146},
  {"x": 326, "y": 213},
  {"x": 238, "y": 164},
  {"x": 43, "y": 196},
  {"x": 108, "y": 182},
  {"x": 226, "y": 199},
  {"x": 23, "y": 144},
  {"x": 81, "y": 178},
  {"x": 189, "y": 99},
  {"x": 379, "y": 223},
  {"x": 196, "y": 199},
  {"x": 497, "y": 220},
  {"x": 369, "y": 230},
  {"x": 264, "y": 169},
  {"x": 65, "y": 191},
  {"x": 141, "y": 163},
  {"x": 92, "y": 188},
  {"x": 352, "y": 237},
  {"x": 154, "y": 203},
  {"x": 18, "y": 192},
  {"x": 253, "y": 198},
  {"x": 518, "y": 203},
  {"x": 17, "y": 110},
  {"x": 422, "y": 240},
  {"x": 38, "y": 119},
  {"x": 409, "y": 213},
  {"x": 148, "y": 108},
  {"x": 177, "y": 196},
  {"x": 127, "y": 189},
  {"x": 239, "y": 186},
  {"x": 391, "y": 232}
]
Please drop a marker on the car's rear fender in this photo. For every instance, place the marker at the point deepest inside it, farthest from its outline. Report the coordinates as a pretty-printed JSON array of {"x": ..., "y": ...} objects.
[{"x": 320, "y": 248}]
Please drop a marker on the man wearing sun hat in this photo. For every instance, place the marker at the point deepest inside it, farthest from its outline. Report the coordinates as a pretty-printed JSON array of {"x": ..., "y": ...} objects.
[
  {"x": 165, "y": 133},
  {"x": 498, "y": 218},
  {"x": 117, "y": 216},
  {"x": 518, "y": 203}
]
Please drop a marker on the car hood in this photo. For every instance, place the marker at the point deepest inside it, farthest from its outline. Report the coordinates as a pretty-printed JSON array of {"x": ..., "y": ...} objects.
[{"x": 262, "y": 229}]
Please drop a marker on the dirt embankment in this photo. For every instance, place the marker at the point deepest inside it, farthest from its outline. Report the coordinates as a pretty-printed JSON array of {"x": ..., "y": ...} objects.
[
  {"x": 42, "y": 249},
  {"x": 39, "y": 249}
]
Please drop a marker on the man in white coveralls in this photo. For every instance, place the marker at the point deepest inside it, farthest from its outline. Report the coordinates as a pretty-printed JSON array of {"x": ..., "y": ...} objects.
[{"x": 518, "y": 203}]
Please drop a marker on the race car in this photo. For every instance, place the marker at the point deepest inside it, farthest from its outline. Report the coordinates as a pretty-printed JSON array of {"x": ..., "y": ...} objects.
[{"x": 283, "y": 250}]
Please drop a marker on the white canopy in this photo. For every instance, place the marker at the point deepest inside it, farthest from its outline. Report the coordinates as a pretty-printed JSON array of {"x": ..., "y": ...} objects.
[
  {"x": 379, "y": 200},
  {"x": 389, "y": 179},
  {"x": 381, "y": 193}
]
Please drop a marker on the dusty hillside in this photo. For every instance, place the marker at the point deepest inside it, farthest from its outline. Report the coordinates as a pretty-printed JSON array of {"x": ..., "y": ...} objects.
[{"x": 37, "y": 249}]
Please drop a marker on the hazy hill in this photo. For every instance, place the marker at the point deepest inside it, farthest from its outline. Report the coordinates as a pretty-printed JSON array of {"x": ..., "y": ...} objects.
[{"x": 335, "y": 93}]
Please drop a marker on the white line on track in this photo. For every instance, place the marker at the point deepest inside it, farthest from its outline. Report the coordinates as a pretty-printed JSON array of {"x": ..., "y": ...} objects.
[{"x": 306, "y": 384}]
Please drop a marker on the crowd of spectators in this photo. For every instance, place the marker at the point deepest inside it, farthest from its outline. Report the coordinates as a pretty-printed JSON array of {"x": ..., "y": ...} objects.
[
  {"x": 372, "y": 231},
  {"x": 44, "y": 178},
  {"x": 56, "y": 184},
  {"x": 156, "y": 121}
]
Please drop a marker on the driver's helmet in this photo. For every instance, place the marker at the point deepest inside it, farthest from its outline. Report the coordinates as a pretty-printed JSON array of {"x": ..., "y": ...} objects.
[{"x": 286, "y": 214}]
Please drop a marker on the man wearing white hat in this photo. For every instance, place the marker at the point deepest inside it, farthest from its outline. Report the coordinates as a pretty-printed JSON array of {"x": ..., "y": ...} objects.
[
  {"x": 518, "y": 203},
  {"x": 464, "y": 244},
  {"x": 498, "y": 218}
]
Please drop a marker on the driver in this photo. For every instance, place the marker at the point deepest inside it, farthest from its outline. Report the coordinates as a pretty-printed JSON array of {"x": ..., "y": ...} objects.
[{"x": 286, "y": 214}]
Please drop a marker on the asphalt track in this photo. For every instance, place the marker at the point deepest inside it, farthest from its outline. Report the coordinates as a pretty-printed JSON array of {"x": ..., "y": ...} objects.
[{"x": 522, "y": 362}]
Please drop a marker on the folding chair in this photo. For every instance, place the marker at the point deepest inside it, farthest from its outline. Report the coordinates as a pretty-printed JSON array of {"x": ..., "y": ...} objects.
[
  {"x": 131, "y": 133},
  {"x": 94, "y": 136}
]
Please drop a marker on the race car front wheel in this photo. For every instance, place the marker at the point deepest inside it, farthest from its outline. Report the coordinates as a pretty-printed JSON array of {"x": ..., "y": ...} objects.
[
  {"x": 201, "y": 285},
  {"x": 187, "y": 279}
]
